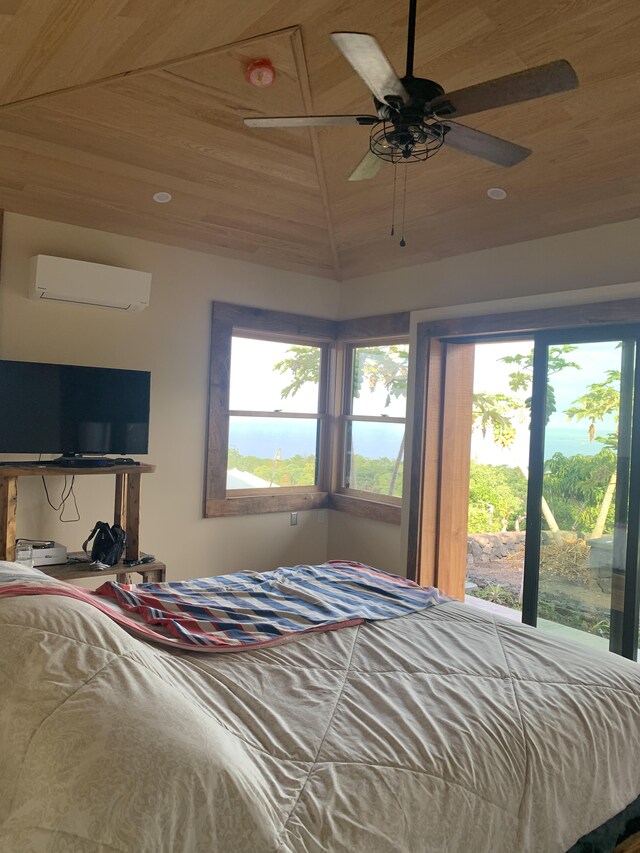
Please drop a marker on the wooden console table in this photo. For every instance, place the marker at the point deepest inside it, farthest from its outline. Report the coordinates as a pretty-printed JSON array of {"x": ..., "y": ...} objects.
[{"x": 126, "y": 510}]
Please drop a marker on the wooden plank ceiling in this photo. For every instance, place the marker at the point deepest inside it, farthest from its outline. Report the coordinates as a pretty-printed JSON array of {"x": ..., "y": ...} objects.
[{"x": 105, "y": 102}]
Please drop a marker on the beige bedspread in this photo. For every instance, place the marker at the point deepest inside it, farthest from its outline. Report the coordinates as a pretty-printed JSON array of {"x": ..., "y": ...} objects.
[{"x": 440, "y": 731}]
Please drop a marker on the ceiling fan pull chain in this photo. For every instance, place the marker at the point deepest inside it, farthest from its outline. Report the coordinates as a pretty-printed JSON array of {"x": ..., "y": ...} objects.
[
  {"x": 403, "y": 242},
  {"x": 393, "y": 206}
]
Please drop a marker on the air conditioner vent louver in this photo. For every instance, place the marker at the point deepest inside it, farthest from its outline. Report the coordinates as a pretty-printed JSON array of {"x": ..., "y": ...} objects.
[{"x": 82, "y": 283}]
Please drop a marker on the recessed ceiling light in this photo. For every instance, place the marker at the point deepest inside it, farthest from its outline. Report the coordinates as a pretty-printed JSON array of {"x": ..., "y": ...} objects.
[
  {"x": 496, "y": 193},
  {"x": 162, "y": 198}
]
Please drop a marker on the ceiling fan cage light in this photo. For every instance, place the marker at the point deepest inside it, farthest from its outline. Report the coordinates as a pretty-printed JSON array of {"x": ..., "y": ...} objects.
[{"x": 406, "y": 143}]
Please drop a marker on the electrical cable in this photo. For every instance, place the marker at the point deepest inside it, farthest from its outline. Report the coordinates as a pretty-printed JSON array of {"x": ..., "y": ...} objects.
[{"x": 63, "y": 500}]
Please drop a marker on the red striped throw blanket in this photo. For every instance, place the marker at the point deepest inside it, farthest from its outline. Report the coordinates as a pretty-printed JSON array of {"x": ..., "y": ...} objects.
[{"x": 248, "y": 610}]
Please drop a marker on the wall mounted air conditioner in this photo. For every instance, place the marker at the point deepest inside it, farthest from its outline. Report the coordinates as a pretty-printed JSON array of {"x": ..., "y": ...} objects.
[{"x": 82, "y": 283}]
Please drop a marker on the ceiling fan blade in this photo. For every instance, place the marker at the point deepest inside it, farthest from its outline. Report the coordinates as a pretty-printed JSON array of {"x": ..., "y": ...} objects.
[
  {"x": 367, "y": 168},
  {"x": 483, "y": 145},
  {"x": 310, "y": 121},
  {"x": 513, "y": 89},
  {"x": 367, "y": 59}
]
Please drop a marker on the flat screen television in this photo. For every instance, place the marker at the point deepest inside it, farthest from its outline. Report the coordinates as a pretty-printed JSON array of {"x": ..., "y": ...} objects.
[{"x": 61, "y": 408}]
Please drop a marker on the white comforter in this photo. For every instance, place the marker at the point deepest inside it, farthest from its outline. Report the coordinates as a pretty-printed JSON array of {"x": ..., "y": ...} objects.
[{"x": 440, "y": 731}]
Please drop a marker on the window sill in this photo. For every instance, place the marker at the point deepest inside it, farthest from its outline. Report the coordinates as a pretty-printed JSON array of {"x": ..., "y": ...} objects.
[
  {"x": 258, "y": 504},
  {"x": 390, "y": 513}
]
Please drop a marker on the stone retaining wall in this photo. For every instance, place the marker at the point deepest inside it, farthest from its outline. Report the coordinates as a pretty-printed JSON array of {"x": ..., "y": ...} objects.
[{"x": 490, "y": 547}]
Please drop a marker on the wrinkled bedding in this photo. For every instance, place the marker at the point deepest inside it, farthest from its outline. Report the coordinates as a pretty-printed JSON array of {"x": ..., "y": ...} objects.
[{"x": 443, "y": 730}]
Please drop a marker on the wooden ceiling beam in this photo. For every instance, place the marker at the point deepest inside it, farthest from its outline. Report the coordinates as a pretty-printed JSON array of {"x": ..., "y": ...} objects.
[{"x": 301, "y": 63}]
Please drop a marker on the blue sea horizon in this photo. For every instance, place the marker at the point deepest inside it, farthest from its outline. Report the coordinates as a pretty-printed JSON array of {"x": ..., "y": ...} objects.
[{"x": 373, "y": 441}]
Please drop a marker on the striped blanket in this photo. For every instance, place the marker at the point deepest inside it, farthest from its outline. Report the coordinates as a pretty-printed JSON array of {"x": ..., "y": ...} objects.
[{"x": 254, "y": 609}]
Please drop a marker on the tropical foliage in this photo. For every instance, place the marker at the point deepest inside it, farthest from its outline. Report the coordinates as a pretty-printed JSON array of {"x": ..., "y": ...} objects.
[
  {"x": 578, "y": 489},
  {"x": 497, "y": 498},
  {"x": 296, "y": 471},
  {"x": 373, "y": 366},
  {"x": 374, "y": 475},
  {"x": 575, "y": 488}
]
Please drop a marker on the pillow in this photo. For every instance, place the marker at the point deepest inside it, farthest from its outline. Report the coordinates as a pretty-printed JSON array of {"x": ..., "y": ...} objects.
[{"x": 16, "y": 571}]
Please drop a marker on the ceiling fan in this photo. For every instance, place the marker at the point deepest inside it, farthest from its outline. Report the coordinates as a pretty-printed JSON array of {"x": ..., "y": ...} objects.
[{"x": 414, "y": 116}]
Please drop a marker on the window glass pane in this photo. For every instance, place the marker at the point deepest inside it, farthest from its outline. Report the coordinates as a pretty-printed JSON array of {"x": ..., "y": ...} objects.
[
  {"x": 380, "y": 380},
  {"x": 271, "y": 376},
  {"x": 374, "y": 458},
  {"x": 587, "y": 441},
  {"x": 272, "y": 452}
]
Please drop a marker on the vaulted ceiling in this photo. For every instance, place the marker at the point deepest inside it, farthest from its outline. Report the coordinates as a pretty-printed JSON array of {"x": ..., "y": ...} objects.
[{"x": 105, "y": 102}]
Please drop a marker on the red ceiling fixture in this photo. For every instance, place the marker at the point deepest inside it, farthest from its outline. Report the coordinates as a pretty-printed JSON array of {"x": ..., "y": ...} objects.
[{"x": 260, "y": 73}]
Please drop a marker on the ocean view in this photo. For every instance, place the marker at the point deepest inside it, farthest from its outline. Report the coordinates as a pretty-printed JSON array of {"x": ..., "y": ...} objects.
[
  {"x": 569, "y": 441},
  {"x": 374, "y": 441}
]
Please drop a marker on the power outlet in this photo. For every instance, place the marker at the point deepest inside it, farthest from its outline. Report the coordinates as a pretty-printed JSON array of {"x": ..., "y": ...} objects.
[{"x": 294, "y": 519}]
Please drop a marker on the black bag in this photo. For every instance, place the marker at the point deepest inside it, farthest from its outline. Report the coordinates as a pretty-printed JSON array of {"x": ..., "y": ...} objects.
[{"x": 108, "y": 546}]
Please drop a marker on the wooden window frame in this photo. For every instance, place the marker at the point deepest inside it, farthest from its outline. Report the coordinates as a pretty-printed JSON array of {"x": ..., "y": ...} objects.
[
  {"x": 436, "y": 514},
  {"x": 230, "y": 321},
  {"x": 333, "y": 336},
  {"x": 359, "y": 501}
]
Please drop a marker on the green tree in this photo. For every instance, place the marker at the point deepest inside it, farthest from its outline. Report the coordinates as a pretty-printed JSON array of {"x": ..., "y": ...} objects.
[
  {"x": 521, "y": 378},
  {"x": 498, "y": 410},
  {"x": 600, "y": 400},
  {"x": 579, "y": 479},
  {"x": 304, "y": 365},
  {"x": 497, "y": 497},
  {"x": 577, "y": 488},
  {"x": 385, "y": 366}
]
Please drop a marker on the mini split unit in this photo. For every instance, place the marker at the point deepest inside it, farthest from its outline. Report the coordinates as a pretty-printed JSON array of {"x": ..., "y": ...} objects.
[{"x": 81, "y": 283}]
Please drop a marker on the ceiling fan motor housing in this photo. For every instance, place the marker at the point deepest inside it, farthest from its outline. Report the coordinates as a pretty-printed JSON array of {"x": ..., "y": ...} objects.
[
  {"x": 409, "y": 133},
  {"x": 421, "y": 92}
]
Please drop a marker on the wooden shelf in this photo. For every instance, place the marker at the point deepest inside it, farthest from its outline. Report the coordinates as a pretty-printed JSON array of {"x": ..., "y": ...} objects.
[
  {"x": 154, "y": 572},
  {"x": 44, "y": 470},
  {"x": 126, "y": 509}
]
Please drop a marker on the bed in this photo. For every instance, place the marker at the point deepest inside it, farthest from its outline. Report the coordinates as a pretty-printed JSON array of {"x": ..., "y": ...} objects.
[{"x": 442, "y": 730}]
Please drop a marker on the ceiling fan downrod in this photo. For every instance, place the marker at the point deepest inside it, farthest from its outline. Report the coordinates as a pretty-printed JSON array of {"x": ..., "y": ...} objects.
[{"x": 411, "y": 36}]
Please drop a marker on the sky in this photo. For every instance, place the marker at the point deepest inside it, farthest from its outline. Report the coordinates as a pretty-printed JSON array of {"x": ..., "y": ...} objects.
[
  {"x": 492, "y": 376},
  {"x": 255, "y": 359}
]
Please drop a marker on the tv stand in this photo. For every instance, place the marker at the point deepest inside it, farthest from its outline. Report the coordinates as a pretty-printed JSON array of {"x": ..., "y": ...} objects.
[{"x": 126, "y": 505}]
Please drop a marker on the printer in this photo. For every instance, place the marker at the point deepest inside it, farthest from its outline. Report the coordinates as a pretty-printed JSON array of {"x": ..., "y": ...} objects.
[{"x": 46, "y": 552}]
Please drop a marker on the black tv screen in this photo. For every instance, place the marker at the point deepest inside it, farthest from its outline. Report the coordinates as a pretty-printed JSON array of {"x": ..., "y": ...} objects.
[{"x": 60, "y": 408}]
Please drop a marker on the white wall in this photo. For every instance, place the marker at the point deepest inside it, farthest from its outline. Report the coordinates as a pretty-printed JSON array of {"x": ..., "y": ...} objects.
[
  {"x": 171, "y": 339},
  {"x": 594, "y": 257},
  {"x": 597, "y": 264},
  {"x": 372, "y": 542}
]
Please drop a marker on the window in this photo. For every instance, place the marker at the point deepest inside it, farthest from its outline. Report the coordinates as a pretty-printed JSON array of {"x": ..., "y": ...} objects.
[
  {"x": 374, "y": 419},
  {"x": 276, "y": 414},
  {"x": 301, "y": 419}
]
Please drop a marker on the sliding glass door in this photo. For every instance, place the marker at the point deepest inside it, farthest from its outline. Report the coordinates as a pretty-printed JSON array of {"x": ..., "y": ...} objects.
[
  {"x": 583, "y": 499},
  {"x": 564, "y": 383}
]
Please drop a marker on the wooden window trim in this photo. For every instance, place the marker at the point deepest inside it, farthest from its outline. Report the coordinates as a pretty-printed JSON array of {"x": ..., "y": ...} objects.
[
  {"x": 364, "y": 505},
  {"x": 426, "y": 512},
  {"x": 262, "y": 320},
  {"x": 230, "y": 320},
  {"x": 357, "y": 501}
]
